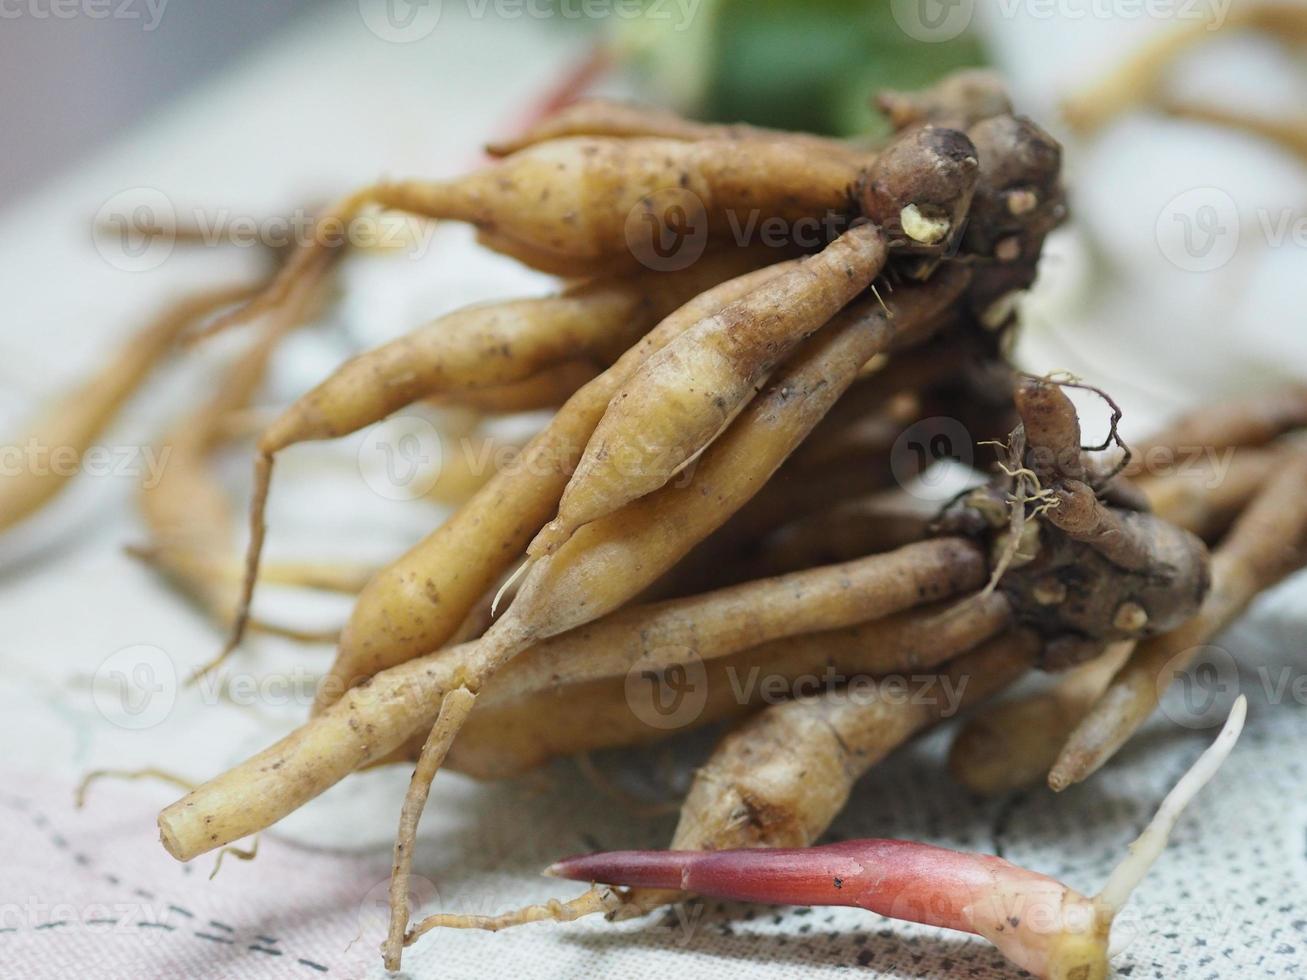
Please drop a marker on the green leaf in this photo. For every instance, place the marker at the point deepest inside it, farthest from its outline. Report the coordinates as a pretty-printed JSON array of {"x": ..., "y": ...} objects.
[{"x": 796, "y": 64}]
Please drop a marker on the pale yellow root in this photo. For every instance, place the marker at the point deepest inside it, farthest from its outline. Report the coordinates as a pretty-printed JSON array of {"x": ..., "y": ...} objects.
[
  {"x": 469, "y": 464},
  {"x": 454, "y": 709},
  {"x": 1266, "y": 544},
  {"x": 1201, "y": 500},
  {"x": 508, "y": 739},
  {"x": 1254, "y": 420},
  {"x": 567, "y": 205},
  {"x": 186, "y": 508},
  {"x": 1138, "y": 81},
  {"x": 480, "y": 348},
  {"x": 343, "y": 577},
  {"x": 602, "y": 567},
  {"x": 863, "y": 526},
  {"x": 688, "y": 393},
  {"x": 1012, "y": 744},
  {"x": 69, "y": 426},
  {"x": 494, "y": 345},
  {"x": 530, "y": 713},
  {"x": 604, "y": 117},
  {"x": 612, "y": 559},
  {"x": 574, "y": 197},
  {"x": 261, "y": 790},
  {"x": 599, "y": 900},
  {"x": 717, "y": 624},
  {"x": 548, "y": 389},
  {"x": 414, "y": 605},
  {"x": 1289, "y": 134},
  {"x": 782, "y": 776}
]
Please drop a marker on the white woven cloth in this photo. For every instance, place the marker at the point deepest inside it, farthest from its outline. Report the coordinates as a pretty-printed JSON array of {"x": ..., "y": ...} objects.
[{"x": 91, "y": 893}]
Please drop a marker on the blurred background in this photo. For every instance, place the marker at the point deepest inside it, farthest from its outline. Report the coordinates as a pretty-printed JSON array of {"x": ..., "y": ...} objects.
[
  {"x": 250, "y": 108},
  {"x": 74, "y": 76}
]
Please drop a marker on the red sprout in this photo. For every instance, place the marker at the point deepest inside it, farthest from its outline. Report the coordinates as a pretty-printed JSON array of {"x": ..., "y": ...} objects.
[{"x": 1037, "y": 922}]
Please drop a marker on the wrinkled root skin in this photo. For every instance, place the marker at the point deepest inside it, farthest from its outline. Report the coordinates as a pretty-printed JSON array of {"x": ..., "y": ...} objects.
[
  {"x": 1075, "y": 598},
  {"x": 1101, "y": 602},
  {"x": 1088, "y": 572}
]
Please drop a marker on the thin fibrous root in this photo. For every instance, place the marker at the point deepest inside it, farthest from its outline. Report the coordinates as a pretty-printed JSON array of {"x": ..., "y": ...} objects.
[
  {"x": 1139, "y": 80},
  {"x": 1290, "y": 134},
  {"x": 258, "y": 531},
  {"x": 345, "y": 578},
  {"x": 454, "y": 709},
  {"x": 599, "y": 900},
  {"x": 1250, "y": 421},
  {"x": 95, "y": 775},
  {"x": 239, "y": 853},
  {"x": 1149, "y": 845}
]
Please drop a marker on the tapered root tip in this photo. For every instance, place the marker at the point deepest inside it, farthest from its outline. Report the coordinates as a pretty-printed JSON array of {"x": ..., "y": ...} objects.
[
  {"x": 645, "y": 869},
  {"x": 549, "y": 539},
  {"x": 168, "y": 836}
]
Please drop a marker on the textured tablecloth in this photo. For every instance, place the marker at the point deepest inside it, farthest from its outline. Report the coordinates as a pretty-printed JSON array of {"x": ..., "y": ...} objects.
[{"x": 91, "y": 890}]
